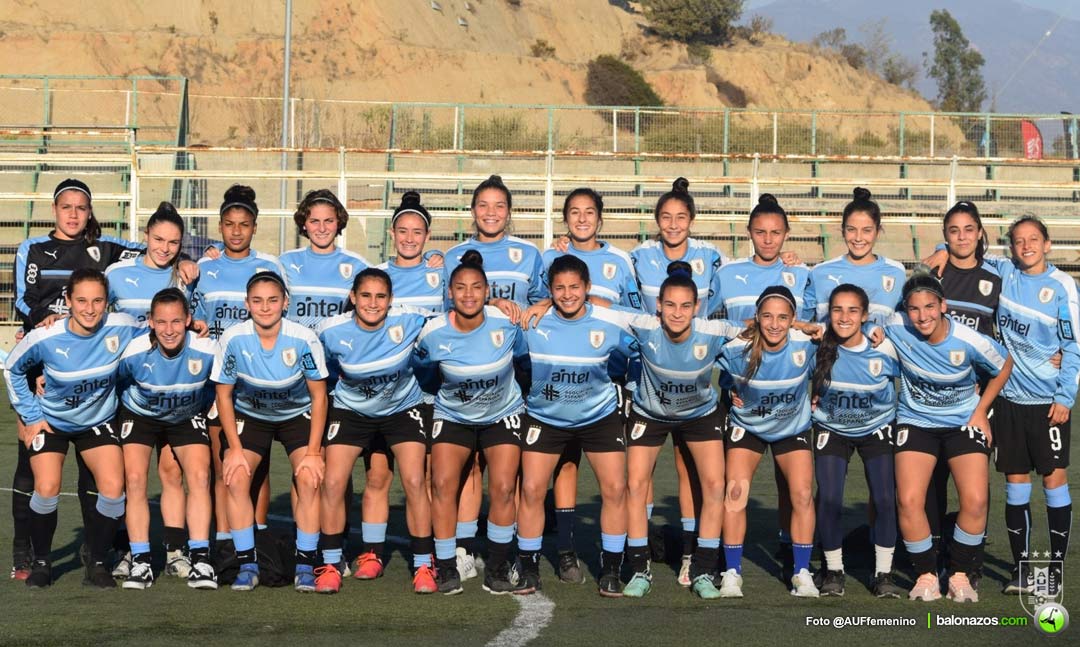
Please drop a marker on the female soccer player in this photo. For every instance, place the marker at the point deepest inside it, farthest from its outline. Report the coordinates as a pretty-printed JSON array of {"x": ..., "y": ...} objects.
[
  {"x": 674, "y": 396},
  {"x": 573, "y": 399},
  {"x": 767, "y": 367},
  {"x": 852, "y": 387},
  {"x": 940, "y": 413},
  {"x": 78, "y": 357},
  {"x": 164, "y": 395},
  {"x": 474, "y": 349},
  {"x": 880, "y": 277},
  {"x": 271, "y": 384},
  {"x": 377, "y": 395}
]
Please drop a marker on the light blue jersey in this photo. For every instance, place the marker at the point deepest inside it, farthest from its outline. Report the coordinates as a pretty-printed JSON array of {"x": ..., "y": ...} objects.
[
  {"x": 133, "y": 284},
  {"x": 741, "y": 282},
  {"x": 80, "y": 373},
  {"x": 776, "y": 400},
  {"x": 882, "y": 280},
  {"x": 269, "y": 384},
  {"x": 651, "y": 263},
  {"x": 420, "y": 286},
  {"x": 861, "y": 396},
  {"x": 374, "y": 367},
  {"x": 1037, "y": 316},
  {"x": 222, "y": 287},
  {"x": 478, "y": 385},
  {"x": 169, "y": 389},
  {"x": 938, "y": 381},
  {"x": 676, "y": 378},
  {"x": 571, "y": 380},
  {"x": 513, "y": 267},
  {"x": 319, "y": 284},
  {"x": 611, "y": 274}
]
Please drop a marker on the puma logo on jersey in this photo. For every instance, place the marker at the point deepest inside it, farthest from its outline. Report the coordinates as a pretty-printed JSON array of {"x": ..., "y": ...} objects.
[
  {"x": 295, "y": 267},
  {"x": 248, "y": 356},
  {"x": 347, "y": 344},
  {"x": 654, "y": 346},
  {"x": 63, "y": 351},
  {"x": 447, "y": 347},
  {"x": 544, "y": 333},
  {"x": 743, "y": 277},
  {"x": 132, "y": 281},
  {"x": 212, "y": 274},
  {"x": 835, "y": 279},
  {"x": 148, "y": 366},
  {"x": 51, "y": 253},
  {"x": 655, "y": 263}
]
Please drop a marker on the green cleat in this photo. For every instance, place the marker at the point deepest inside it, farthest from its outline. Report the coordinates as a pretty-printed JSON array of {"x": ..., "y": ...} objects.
[
  {"x": 639, "y": 585},
  {"x": 704, "y": 587}
]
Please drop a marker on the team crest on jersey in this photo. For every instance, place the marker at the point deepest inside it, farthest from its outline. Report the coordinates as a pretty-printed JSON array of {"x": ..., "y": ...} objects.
[
  {"x": 985, "y": 287},
  {"x": 638, "y": 431},
  {"x": 609, "y": 271},
  {"x": 332, "y": 430},
  {"x": 432, "y": 279},
  {"x": 515, "y": 255},
  {"x": 887, "y": 283},
  {"x": 737, "y": 433},
  {"x": 396, "y": 333},
  {"x": 38, "y": 442},
  {"x": 596, "y": 338},
  {"x": 700, "y": 351},
  {"x": 956, "y": 357},
  {"x": 822, "y": 439},
  {"x": 125, "y": 429},
  {"x": 532, "y": 435},
  {"x": 112, "y": 343},
  {"x": 95, "y": 253},
  {"x": 194, "y": 366},
  {"x": 239, "y": 426},
  {"x": 289, "y": 357},
  {"x": 799, "y": 357},
  {"x": 875, "y": 367},
  {"x": 1046, "y": 294},
  {"x": 698, "y": 265},
  {"x": 345, "y": 269},
  {"x": 901, "y": 436},
  {"x": 436, "y": 429},
  {"x": 497, "y": 338}
]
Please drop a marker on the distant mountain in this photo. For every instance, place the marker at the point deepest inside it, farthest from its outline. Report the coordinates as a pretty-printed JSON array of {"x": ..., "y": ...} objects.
[{"x": 1005, "y": 31}]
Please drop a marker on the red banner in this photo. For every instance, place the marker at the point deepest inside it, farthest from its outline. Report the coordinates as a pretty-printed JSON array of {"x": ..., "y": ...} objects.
[{"x": 1033, "y": 142}]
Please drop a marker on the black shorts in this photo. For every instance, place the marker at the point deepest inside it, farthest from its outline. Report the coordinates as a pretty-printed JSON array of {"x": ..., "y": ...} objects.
[
  {"x": 346, "y": 427},
  {"x": 942, "y": 442},
  {"x": 259, "y": 435},
  {"x": 876, "y": 443},
  {"x": 139, "y": 430},
  {"x": 57, "y": 443},
  {"x": 604, "y": 435},
  {"x": 506, "y": 431},
  {"x": 739, "y": 438},
  {"x": 1024, "y": 440},
  {"x": 647, "y": 432}
]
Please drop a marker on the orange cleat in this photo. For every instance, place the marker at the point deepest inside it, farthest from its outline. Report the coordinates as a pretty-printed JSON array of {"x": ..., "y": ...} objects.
[
  {"x": 424, "y": 580},
  {"x": 367, "y": 566},
  {"x": 327, "y": 579}
]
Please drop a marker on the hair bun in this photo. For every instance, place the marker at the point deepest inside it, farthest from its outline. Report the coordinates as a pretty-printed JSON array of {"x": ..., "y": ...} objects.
[
  {"x": 681, "y": 185},
  {"x": 410, "y": 199},
  {"x": 240, "y": 193},
  {"x": 472, "y": 257},
  {"x": 861, "y": 194},
  {"x": 922, "y": 270},
  {"x": 166, "y": 208},
  {"x": 496, "y": 179},
  {"x": 680, "y": 268},
  {"x": 767, "y": 199}
]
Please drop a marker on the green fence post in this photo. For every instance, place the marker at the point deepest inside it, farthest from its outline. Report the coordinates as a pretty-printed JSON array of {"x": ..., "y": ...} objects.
[
  {"x": 901, "y": 135},
  {"x": 727, "y": 167}
]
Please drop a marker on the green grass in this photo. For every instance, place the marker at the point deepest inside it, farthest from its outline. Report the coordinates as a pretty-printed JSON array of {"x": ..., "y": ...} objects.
[{"x": 386, "y": 612}]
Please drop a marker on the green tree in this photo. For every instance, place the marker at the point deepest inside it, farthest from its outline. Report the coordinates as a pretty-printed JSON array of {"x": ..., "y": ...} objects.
[
  {"x": 956, "y": 66},
  {"x": 688, "y": 21},
  {"x": 610, "y": 82}
]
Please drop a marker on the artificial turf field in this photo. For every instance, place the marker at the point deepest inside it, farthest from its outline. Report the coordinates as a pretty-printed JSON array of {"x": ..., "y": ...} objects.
[{"x": 386, "y": 612}]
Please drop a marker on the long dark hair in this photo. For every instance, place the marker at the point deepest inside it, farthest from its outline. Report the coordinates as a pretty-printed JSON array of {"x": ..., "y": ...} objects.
[
  {"x": 827, "y": 350},
  {"x": 166, "y": 296},
  {"x": 970, "y": 209}
]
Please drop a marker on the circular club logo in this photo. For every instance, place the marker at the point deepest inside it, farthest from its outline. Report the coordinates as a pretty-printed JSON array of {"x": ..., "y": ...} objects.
[{"x": 1051, "y": 618}]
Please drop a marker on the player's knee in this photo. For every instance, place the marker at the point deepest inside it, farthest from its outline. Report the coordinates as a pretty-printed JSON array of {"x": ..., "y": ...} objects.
[
  {"x": 738, "y": 493},
  {"x": 637, "y": 486},
  {"x": 910, "y": 502},
  {"x": 501, "y": 493},
  {"x": 46, "y": 487},
  {"x": 413, "y": 483},
  {"x": 613, "y": 490},
  {"x": 975, "y": 503},
  {"x": 378, "y": 481},
  {"x": 135, "y": 481},
  {"x": 533, "y": 491},
  {"x": 111, "y": 485}
]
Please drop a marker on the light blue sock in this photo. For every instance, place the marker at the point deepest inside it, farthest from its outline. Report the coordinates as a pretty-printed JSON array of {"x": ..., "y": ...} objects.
[
  {"x": 689, "y": 524},
  {"x": 968, "y": 539},
  {"x": 373, "y": 533},
  {"x": 223, "y": 536},
  {"x": 198, "y": 544},
  {"x": 1017, "y": 493},
  {"x": 307, "y": 541},
  {"x": 612, "y": 543},
  {"x": 497, "y": 534},
  {"x": 423, "y": 560},
  {"x": 446, "y": 548},
  {"x": 648, "y": 512},
  {"x": 711, "y": 542},
  {"x": 140, "y": 547},
  {"x": 920, "y": 546},
  {"x": 244, "y": 538},
  {"x": 530, "y": 544},
  {"x": 110, "y": 507},
  {"x": 636, "y": 542},
  {"x": 1058, "y": 497},
  {"x": 44, "y": 504},
  {"x": 331, "y": 555},
  {"x": 467, "y": 529}
]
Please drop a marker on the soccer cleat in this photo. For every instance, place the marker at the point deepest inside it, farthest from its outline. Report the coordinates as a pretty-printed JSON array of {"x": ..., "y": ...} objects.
[
  {"x": 802, "y": 585},
  {"x": 639, "y": 585},
  {"x": 141, "y": 576},
  {"x": 832, "y": 584},
  {"x": 98, "y": 576},
  {"x": 84, "y": 555},
  {"x": 202, "y": 576},
  {"x": 704, "y": 587},
  {"x": 247, "y": 578},
  {"x": 570, "y": 570},
  {"x": 304, "y": 578},
  {"x": 960, "y": 589},
  {"x": 609, "y": 585},
  {"x": 503, "y": 579},
  {"x": 177, "y": 564},
  {"x": 343, "y": 568},
  {"x": 22, "y": 559},
  {"x": 466, "y": 564},
  {"x": 123, "y": 567},
  {"x": 684, "y": 570},
  {"x": 1015, "y": 586},
  {"x": 367, "y": 566},
  {"x": 423, "y": 580},
  {"x": 40, "y": 575},
  {"x": 447, "y": 578},
  {"x": 327, "y": 579},
  {"x": 530, "y": 572},
  {"x": 927, "y": 588},
  {"x": 884, "y": 587},
  {"x": 731, "y": 584}
]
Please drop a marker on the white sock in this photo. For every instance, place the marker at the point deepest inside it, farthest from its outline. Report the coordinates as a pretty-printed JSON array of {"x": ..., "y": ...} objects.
[
  {"x": 834, "y": 560},
  {"x": 883, "y": 559}
]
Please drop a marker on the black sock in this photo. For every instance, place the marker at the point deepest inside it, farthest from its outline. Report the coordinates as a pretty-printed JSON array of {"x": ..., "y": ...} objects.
[
  {"x": 199, "y": 555},
  {"x": 42, "y": 529},
  {"x": 331, "y": 540},
  {"x": 247, "y": 556},
  {"x": 87, "y": 489},
  {"x": 308, "y": 557},
  {"x": 610, "y": 561},
  {"x": 704, "y": 562},
  {"x": 22, "y": 486},
  {"x": 469, "y": 544},
  {"x": 1018, "y": 526},
  {"x": 1060, "y": 522},
  {"x": 638, "y": 556},
  {"x": 924, "y": 562},
  {"x": 375, "y": 548},
  {"x": 422, "y": 545},
  {"x": 962, "y": 557},
  {"x": 564, "y": 524},
  {"x": 689, "y": 540},
  {"x": 101, "y": 536},
  {"x": 498, "y": 553},
  {"x": 530, "y": 560},
  {"x": 174, "y": 538}
]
